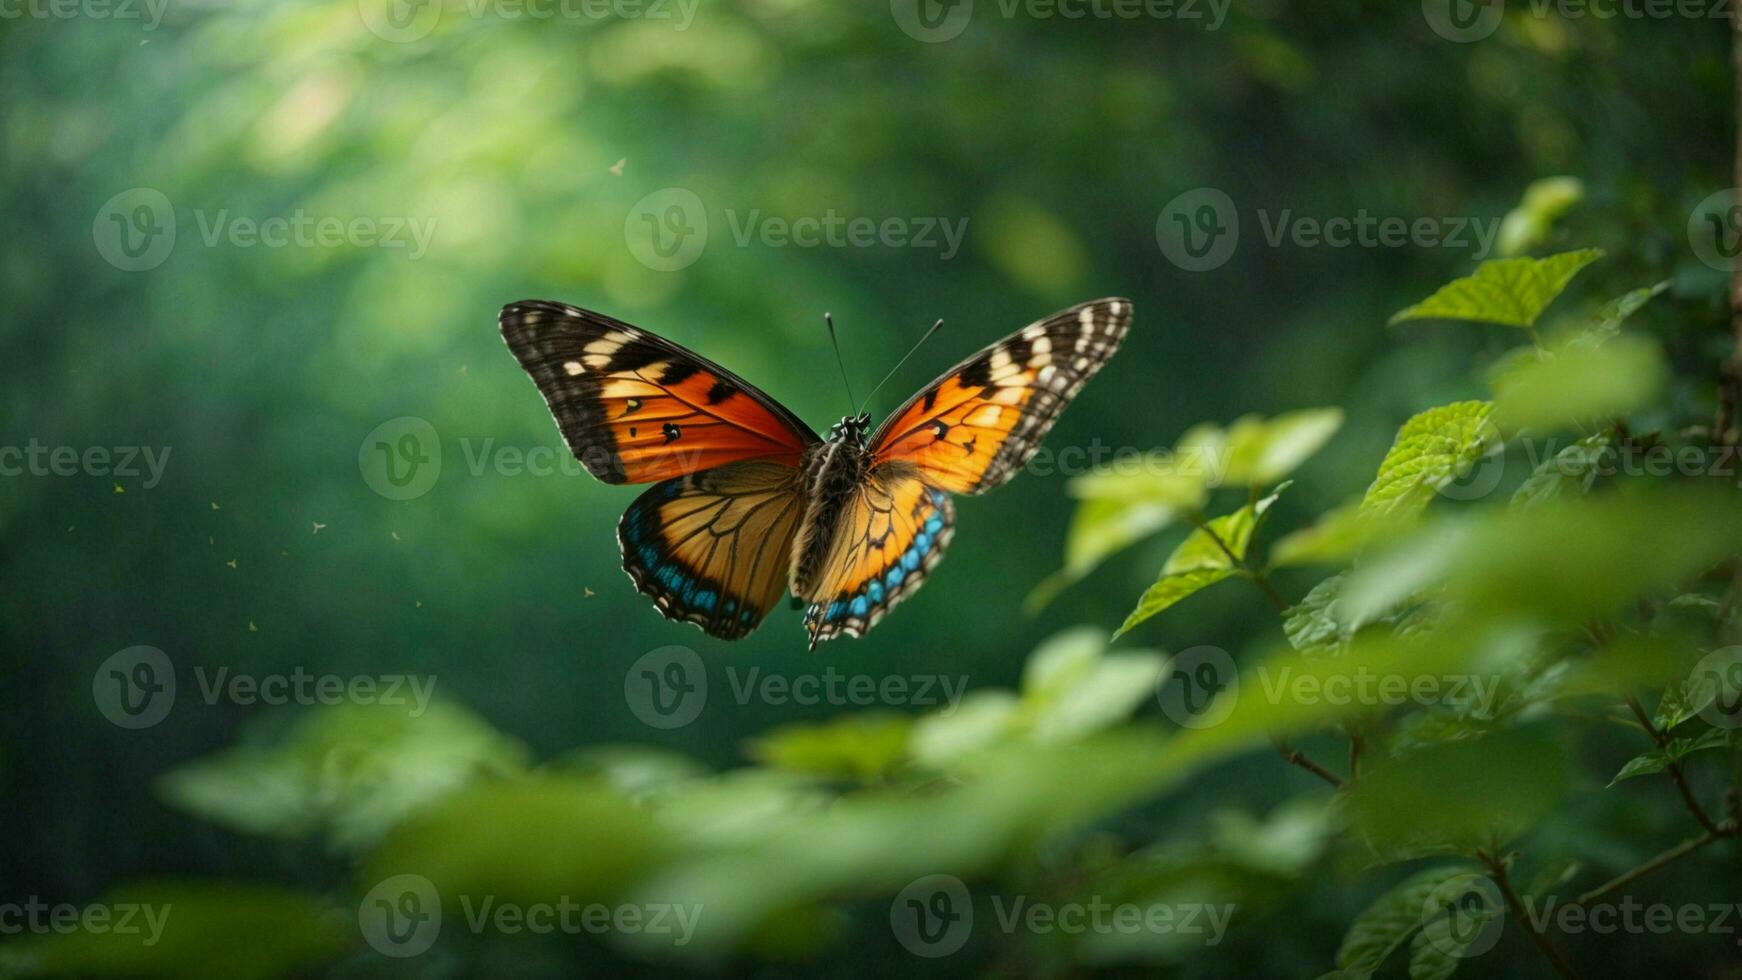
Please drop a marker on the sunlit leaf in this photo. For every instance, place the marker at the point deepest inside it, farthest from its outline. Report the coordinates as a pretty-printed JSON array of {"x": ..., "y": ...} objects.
[
  {"x": 860, "y": 746},
  {"x": 1529, "y": 224},
  {"x": 1431, "y": 450},
  {"x": 1259, "y": 451},
  {"x": 1339, "y": 535},
  {"x": 1510, "y": 292},
  {"x": 1559, "y": 390},
  {"x": 1207, "y": 556}
]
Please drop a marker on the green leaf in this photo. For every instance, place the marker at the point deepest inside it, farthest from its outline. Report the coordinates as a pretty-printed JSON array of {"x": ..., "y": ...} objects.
[
  {"x": 1099, "y": 528},
  {"x": 1657, "y": 760},
  {"x": 1200, "y": 561},
  {"x": 1431, "y": 450},
  {"x": 1311, "y": 624},
  {"x": 1179, "y": 481},
  {"x": 1460, "y": 795},
  {"x": 980, "y": 720},
  {"x": 1529, "y": 224},
  {"x": 1390, "y": 921},
  {"x": 1338, "y": 536},
  {"x": 528, "y": 840},
  {"x": 1616, "y": 312},
  {"x": 1570, "y": 561},
  {"x": 1643, "y": 765},
  {"x": 1509, "y": 292},
  {"x": 1577, "y": 384},
  {"x": 1570, "y": 471},
  {"x": 189, "y": 928},
  {"x": 347, "y": 772},
  {"x": 865, "y": 747},
  {"x": 1259, "y": 452}
]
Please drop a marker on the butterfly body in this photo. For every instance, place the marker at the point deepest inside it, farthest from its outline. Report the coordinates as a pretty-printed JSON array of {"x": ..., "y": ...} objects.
[{"x": 747, "y": 502}]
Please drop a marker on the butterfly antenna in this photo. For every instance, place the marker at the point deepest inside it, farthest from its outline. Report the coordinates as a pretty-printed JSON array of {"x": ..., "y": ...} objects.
[
  {"x": 829, "y": 319},
  {"x": 934, "y": 329}
]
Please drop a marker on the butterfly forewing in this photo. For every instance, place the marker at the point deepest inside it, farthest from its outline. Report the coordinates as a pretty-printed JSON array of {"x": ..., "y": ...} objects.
[
  {"x": 973, "y": 428},
  {"x": 636, "y": 408}
]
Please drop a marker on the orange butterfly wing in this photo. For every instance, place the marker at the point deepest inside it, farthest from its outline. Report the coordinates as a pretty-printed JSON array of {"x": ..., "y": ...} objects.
[
  {"x": 637, "y": 408},
  {"x": 967, "y": 432},
  {"x": 712, "y": 548},
  {"x": 891, "y": 532},
  {"x": 973, "y": 428}
]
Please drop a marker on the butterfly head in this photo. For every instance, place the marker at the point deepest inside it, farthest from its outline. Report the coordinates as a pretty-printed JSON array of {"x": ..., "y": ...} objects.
[{"x": 851, "y": 428}]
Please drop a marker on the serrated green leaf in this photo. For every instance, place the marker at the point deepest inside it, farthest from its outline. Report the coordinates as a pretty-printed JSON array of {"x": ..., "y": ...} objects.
[
  {"x": 1642, "y": 765},
  {"x": 1391, "y": 920},
  {"x": 1509, "y": 292},
  {"x": 1576, "y": 384},
  {"x": 1569, "y": 471},
  {"x": 1202, "y": 560},
  {"x": 1431, "y": 450},
  {"x": 1310, "y": 624}
]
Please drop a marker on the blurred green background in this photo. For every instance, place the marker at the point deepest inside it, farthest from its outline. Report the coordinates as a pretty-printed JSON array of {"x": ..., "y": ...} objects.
[{"x": 262, "y": 371}]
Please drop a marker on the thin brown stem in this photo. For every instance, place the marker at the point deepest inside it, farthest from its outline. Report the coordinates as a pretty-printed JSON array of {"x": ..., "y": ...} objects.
[
  {"x": 1674, "y": 768},
  {"x": 1681, "y": 850},
  {"x": 1295, "y": 757},
  {"x": 1503, "y": 880},
  {"x": 1244, "y": 568}
]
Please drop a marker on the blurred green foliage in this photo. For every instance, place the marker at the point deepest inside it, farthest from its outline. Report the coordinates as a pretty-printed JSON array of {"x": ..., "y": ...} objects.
[{"x": 1467, "y": 497}]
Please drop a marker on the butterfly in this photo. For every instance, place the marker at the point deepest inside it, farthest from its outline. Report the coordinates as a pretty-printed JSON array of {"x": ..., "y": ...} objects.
[{"x": 747, "y": 502}]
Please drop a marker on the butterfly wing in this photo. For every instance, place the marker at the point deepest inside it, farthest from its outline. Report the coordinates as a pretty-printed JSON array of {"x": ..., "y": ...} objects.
[
  {"x": 973, "y": 428},
  {"x": 891, "y": 531},
  {"x": 637, "y": 408},
  {"x": 712, "y": 548},
  {"x": 967, "y": 432}
]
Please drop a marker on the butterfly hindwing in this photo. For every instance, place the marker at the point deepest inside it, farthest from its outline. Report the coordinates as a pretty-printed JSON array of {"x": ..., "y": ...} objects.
[
  {"x": 890, "y": 532},
  {"x": 973, "y": 428},
  {"x": 636, "y": 408},
  {"x": 712, "y": 548}
]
